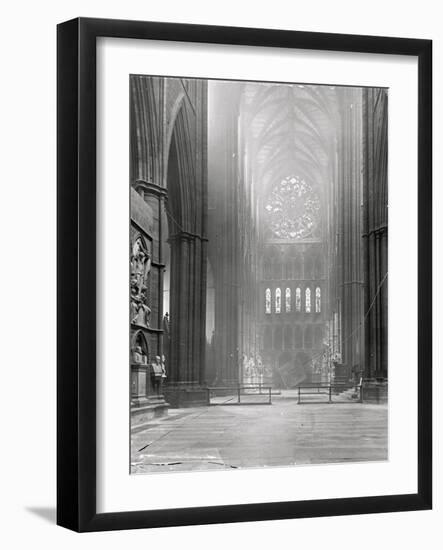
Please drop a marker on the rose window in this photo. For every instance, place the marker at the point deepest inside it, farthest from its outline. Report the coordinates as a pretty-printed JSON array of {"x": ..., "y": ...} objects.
[{"x": 292, "y": 209}]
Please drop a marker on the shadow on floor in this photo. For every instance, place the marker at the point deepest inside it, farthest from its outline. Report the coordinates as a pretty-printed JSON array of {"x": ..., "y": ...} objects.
[{"x": 48, "y": 514}]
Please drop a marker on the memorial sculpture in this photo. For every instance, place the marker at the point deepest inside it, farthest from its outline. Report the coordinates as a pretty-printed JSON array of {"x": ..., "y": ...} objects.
[
  {"x": 139, "y": 356},
  {"x": 157, "y": 374},
  {"x": 140, "y": 269},
  {"x": 163, "y": 364}
]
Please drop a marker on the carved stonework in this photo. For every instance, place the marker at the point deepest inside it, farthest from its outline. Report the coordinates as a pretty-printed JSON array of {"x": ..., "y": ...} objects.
[
  {"x": 139, "y": 356},
  {"x": 157, "y": 375},
  {"x": 140, "y": 269},
  {"x": 163, "y": 363}
]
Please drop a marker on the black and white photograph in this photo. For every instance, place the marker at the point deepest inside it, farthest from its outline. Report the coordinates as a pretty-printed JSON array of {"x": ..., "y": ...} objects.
[
  {"x": 229, "y": 218},
  {"x": 258, "y": 274}
]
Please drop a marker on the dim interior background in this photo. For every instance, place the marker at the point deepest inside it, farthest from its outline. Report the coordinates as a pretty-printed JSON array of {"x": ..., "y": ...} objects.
[{"x": 27, "y": 290}]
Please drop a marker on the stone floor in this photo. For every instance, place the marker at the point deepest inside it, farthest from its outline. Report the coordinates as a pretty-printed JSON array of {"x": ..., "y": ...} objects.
[{"x": 246, "y": 436}]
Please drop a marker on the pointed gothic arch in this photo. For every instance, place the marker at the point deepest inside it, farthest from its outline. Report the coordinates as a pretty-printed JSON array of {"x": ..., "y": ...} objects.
[
  {"x": 138, "y": 338},
  {"x": 186, "y": 187}
]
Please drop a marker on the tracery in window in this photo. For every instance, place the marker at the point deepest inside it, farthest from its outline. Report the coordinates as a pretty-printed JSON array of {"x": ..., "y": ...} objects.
[
  {"x": 317, "y": 300},
  {"x": 292, "y": 209},
  {"x": 308, "y": 300},
  {"x": 278, "y": 301},
  {"x": 268, "y": 300},
  {"x": 288, "y": 300},
  {"x": 297, "y": 299}
]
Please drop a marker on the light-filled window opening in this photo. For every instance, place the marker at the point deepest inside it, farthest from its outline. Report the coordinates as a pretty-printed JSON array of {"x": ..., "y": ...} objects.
[
  {"x": 297, "y": 299},
  {"x": 288, "y": 300},
  {"x": 317, "y": 300},
  {"x": 268, "y": 300},
  {"x": 308, "y": 300},
  {"x": 278, "y": 301}
]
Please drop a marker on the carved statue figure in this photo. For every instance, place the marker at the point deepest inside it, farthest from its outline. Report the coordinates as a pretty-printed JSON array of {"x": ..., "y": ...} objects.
[
  {"x": 143, "y": 314},
  {"x": 251, "y": 367},
  {"x": 166, "y": 323},
  {"x": 259, "y": 364},
  {"x": 140, "y": 266},
  {"x": 139, "y": 356},
  {"x": 157, "y": 374},
  {"x": 164, "y": 375},
  {"x": 156, "y": 369},
  {"x": 134, "y": 310},
  {"x": 246, "y": 372}
]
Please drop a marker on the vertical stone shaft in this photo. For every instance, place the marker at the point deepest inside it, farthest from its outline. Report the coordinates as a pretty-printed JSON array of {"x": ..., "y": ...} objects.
[
  {"x": 350, "y": 228},
  {"x": 375, "y": 232}
]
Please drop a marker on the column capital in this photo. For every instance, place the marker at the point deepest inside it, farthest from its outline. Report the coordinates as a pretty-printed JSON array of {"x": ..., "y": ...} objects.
[{"x": 150, "y": 188}]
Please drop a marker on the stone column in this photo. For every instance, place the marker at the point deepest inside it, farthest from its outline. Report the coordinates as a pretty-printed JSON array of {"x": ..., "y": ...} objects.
[
  {"x": 351, "y": 279},
  {"x": 375, "y": 232},
  {"x": 187, "y": 322},
  {"x": 225, "y": 182}
]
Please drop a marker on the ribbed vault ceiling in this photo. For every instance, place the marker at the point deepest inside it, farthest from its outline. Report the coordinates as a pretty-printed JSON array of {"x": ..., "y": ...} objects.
[{"x": 291, "y": 130}]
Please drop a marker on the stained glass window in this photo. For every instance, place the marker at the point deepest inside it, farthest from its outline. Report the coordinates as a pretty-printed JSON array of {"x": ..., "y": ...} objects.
[
  {"x": 297, "y": 299},
  {"x": 308, "y": 300},
  {"x": 292, "y": 209},
  {"x": 278, "y": 301},
  {"x": 317, "y": 300},
  {"x": 268, "y": 300},
  {"x": 288, "y": 300}
]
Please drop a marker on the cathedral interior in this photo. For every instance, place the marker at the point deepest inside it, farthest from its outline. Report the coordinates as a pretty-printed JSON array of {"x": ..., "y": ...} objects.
[{"x": 258, "y": 251}]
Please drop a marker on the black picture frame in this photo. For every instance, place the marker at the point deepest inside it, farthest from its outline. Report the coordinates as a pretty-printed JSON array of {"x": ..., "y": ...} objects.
[{"x": 76, "y": 266}]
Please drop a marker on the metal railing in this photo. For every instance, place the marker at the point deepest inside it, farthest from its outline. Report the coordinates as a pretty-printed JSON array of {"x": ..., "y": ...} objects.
[
  {"x": 330, "y": 390},
  {"x": 239, "y": 395}
]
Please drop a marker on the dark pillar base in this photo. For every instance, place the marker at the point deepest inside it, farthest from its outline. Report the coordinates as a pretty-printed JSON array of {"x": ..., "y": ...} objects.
[
  {"x": 186, "y": 395},
  {"x": 375, "y": 390},
  {"x": 143, "y": 413},
  {"x": 137, "y": 402}
]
